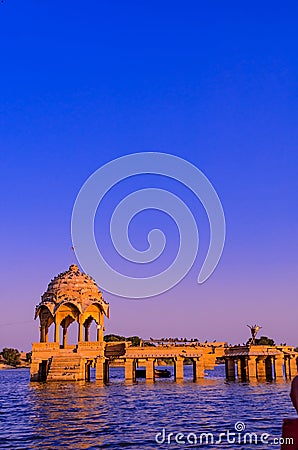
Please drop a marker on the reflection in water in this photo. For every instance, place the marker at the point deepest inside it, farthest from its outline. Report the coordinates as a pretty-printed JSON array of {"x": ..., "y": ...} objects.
[
  {"x": 69, "y": 410},
  {"x": 86, "y": 415}
]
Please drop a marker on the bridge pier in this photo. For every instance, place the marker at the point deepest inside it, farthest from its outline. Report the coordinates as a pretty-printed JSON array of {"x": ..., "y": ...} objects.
[
  {"x": 239, "y": 369},
  {"x": 150, "y": 376},
  {"x": 130, "y": 370},
  {"x": 198, "y": 369},
  {"x": 178, "y": 369},
  {"x": 242, "y": 368},
  {"x": 287, "y": 368},
  {"x": 278, "y": 367},
  {"x": 261, "y": 369},
  {"x": 252, "y": 368},
  {"x": 293, "y": 367},
  {"x": 102, "y": 370},
  {"x": 230, "y": 369},
  {"x": 290, "y": 367}
]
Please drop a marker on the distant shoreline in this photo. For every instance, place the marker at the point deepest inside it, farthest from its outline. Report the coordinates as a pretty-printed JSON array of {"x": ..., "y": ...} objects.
[{"x": 7, "y": 366}]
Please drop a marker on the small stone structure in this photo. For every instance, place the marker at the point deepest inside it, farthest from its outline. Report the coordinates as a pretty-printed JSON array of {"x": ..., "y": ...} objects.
[
  {"x": 70, "y": 296},
  {"x": 260, "y": 362}
]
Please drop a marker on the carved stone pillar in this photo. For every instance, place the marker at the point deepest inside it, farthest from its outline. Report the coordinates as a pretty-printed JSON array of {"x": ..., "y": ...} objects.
[
  {"x": 99, "y": 333},
  {"x": 106, "y": 368},
  {"x": 239, "y": 374},
  {"x": 57, "y": 330},
  {"x": 64, "y": 344},
  {"x": 287, "y": 368},
  {"x": 130, "y": 370},
  {"x": 293, "y": 367},
  {"x": 179, "y": 370},
  {"x": 278, "y": 367},
  {"x": 252, "y": 367},
  {"x": 261, "y": 368},
  {"x": 230, "y": 369},
  {"x": 244, "y": 368},
  {"x": 150, "y": 376},
  {"x": 82, "y": 370},
  {"x": 42, "y": 333},
  {"x": 99, "y": 369},
  {"x": 198, "y": 369},
  {"x": 80, "y": 332}
]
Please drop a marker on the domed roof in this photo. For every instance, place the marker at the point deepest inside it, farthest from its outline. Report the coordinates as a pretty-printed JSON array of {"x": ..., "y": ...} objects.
[{"x": 72, "y": 286}]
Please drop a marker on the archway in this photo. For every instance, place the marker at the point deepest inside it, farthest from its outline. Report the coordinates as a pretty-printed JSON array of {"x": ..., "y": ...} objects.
[
  {"x": 66, "y": 314},
  {"x": 72, "y": 333},
  {"x": 91, "y": 329},
  {"x": 51, "y": 333},
  {"x": 64, "y": 324},
  {"x": 46, "y": 319}
]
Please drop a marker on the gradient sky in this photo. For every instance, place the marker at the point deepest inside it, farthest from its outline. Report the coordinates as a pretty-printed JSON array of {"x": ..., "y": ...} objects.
[{"x": 215, "y": 83}]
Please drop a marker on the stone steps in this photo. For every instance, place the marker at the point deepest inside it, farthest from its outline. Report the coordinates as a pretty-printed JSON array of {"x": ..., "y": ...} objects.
[{"x": 64, "y": 368}]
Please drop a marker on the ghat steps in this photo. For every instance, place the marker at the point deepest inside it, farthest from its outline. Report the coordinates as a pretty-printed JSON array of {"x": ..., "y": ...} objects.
[{"x": 66, "y": 367}]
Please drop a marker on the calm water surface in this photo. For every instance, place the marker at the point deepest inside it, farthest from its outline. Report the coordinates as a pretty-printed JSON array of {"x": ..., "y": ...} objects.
[{"x": 85, "y": 415}]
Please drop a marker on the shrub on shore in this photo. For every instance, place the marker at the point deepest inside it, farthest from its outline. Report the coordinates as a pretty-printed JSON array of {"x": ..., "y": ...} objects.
[{"x": 11, "y": 356}]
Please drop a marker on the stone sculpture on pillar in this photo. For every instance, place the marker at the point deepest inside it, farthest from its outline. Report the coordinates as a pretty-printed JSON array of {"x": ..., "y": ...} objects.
[{"x": 254, "y": 329}]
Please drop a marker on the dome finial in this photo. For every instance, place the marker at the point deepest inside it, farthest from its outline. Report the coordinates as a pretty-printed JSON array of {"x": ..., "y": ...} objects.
[{"x": 73, "y": 268}]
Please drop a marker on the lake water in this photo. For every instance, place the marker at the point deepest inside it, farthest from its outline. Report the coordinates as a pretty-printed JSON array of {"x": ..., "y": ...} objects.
[{"x": 85, "y": 415}]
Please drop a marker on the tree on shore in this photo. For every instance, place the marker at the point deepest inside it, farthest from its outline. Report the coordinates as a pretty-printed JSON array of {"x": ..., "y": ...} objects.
[
  {"x": 135, "y": 340},
  {"x": 114, "y": 338},
  {"x": 11, "y": 356},
  {"x": 263, "y": 340}
]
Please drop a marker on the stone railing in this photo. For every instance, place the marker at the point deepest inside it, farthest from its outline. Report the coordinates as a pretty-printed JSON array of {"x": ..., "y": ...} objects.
[
  {"x": 162, "y": 352},
  {"x": 90, "y": 345},
  {"x": 41, "y": 346}
]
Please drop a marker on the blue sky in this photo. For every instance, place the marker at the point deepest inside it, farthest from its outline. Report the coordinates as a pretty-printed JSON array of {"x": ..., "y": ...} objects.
[{"x": 216, "y": 84}]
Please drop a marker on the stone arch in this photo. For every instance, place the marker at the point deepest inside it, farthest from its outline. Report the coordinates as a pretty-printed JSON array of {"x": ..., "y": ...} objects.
[
  {"x": 93, "y": 314},
  {"x": 66, "y": 308},
  {"x": 87, "y": 323},
  {"x": 46, "y": 319},
  {"x": 66, "y": 313},
  {"x": 65, "y": 323}
]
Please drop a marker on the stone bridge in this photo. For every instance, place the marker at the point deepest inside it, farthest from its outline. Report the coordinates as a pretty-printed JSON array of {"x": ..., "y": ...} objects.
[
  {"x": 50, "y": 362},
  {"x": 72, "y": 297}
]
